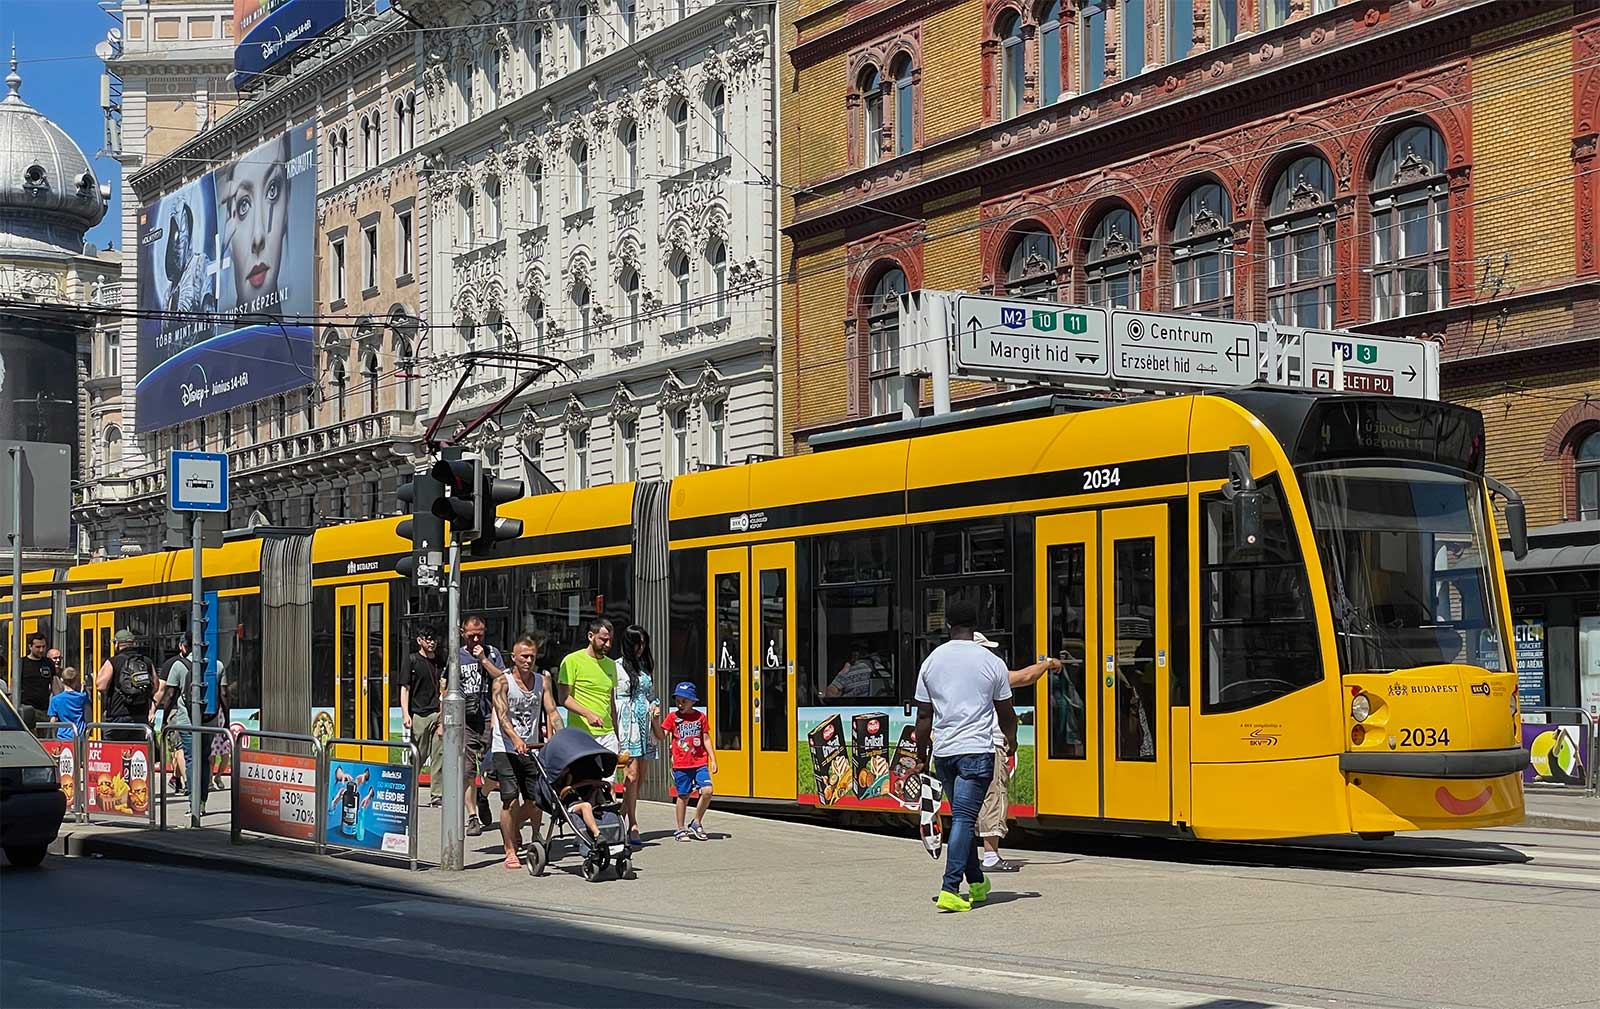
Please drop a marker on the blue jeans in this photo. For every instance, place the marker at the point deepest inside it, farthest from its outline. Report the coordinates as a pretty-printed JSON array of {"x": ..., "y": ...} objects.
[
  {"x": 199, "y": 775},
  {"x": 966, "y": 778}
]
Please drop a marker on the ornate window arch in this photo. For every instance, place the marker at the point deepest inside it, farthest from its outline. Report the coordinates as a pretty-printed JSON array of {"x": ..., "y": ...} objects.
[
  {"x": 1411, "y": 224},
  {"x": 1051, "y": 53},
  {"x": 629, "y": 283},
  {"x": 1013, "y": 64},
  {"x": 580, "y": 173},
  {"x": 869, "y": 83},
  {"x": 628, "y": 144},
  {"x": 1586, "y": 471},
  {"x": 680, "y": 288},
  {"x": 1030, "y": 263},
  {"x": 717, "y": 261},
  {"x": 1112, "y": 267},
  {"x": 717, "y": 114},
  {"x": 902, "y": 72},
  {"x": 1300, "y": 244},
  {"x": 1202, "y": 252},
  {"x": 678, "y": 116},
  {"x": 583, "y": 314}
]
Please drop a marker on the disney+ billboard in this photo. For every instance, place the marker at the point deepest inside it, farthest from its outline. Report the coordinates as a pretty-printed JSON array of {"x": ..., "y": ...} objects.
[
  {"x": 226, "y": 271},
  {"x": 270, "y": 31}
]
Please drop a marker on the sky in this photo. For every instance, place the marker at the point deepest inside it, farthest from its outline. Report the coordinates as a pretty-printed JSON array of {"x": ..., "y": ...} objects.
[{"x": 55, "y": 42}]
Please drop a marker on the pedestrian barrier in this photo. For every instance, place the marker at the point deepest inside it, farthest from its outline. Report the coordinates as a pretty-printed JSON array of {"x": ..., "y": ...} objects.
[
  {"x": 383, "y": 795},
  {"x": 277, "y": 794},
  {"x": 117, "y": 774},
  {"x": 205, "y": 730},
  {"x": 1547, "y": 763},
  {"x": 69, "y": 761}
]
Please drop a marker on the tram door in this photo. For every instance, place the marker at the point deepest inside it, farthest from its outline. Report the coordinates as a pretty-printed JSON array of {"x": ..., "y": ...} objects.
[
  {"x": 94, "y": 648},
  {"x": 750, "y": 676},
  {"x": 361, "y": 657},
  {"x": 1104, "y": 724}
]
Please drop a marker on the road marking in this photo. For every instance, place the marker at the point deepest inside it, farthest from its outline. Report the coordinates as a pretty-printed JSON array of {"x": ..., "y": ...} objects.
[
  {"x": 1500, "y": 873},
  {"x": 1545, "y": 855},
  {"x": 960, "y": 976}
]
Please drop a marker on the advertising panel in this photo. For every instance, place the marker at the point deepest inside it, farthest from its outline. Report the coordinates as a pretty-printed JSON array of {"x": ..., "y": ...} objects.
[
  {"x": 270, "y": 31},
  {"x": 61, "y": 751},
  {"x": 116, "y": 778},
  {"x": 38, "y": 382},
  {"x": 1556, "y": 753},
  {"x": 369, "y": 806},
  {"x": 277, "y": 794},
  {"x": 1528, "y": 635},
  {"x": 227, "y": 268}
]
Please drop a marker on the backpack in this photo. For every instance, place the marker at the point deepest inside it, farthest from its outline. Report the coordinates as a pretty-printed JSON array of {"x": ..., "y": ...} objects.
[{"x": 136, "y": 678}]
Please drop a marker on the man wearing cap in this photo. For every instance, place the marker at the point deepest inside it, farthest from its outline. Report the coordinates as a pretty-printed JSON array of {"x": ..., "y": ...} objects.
[
  {"x": 992, "y": 816},
  {"x": 693, "y": 762},
  {"x": 963, "y": 705},
  {"x": 128, "y": 682}
]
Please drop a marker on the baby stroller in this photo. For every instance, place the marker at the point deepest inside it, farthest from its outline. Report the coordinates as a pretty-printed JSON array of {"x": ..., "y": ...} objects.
[{"x": 571, "y": 756}]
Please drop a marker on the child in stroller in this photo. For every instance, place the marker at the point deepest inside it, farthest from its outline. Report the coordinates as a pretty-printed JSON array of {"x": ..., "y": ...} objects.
[{"x": 573, "y": 787}]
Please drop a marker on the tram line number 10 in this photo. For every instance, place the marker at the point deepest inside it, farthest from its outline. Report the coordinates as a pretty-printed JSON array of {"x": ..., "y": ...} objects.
[{"x": 1102, "y": 479}]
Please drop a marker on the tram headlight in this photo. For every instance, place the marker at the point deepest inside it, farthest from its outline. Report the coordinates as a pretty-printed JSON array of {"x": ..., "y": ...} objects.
[{"x": 1360, "y": 707}]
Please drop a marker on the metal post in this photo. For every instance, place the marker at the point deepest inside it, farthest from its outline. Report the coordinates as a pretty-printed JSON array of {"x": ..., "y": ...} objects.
[
  {"x": 942, "y": 348},
  {"x": 16, "y": 576},
  {"x": 198, "y": 766},
  {"x": 453, "y": 836}
]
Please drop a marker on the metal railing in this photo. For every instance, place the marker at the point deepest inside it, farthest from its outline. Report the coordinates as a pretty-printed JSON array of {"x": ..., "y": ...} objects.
[
  {"x": 412, "y": 754},
  {"x": 1591, "y": 726},
  {"x": 234, "y": 830},
  {"x": 199, "y": 758},
  {"x": 157, "y": 796}
]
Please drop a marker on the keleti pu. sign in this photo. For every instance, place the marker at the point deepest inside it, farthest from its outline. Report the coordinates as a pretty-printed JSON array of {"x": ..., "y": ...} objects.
[{"x": 1085, "y": 346}]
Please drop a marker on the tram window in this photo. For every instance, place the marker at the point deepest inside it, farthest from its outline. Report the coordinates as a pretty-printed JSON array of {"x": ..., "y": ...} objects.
[
  {"x": 347, "y": 671},
  {"x": 729, "y": 645},
  {"x": 557, "y": 602},
  {"x": 857, "y": 634},
  {"x": 1067, "y": 629},
  {"x": 239, "y": 649},
  {"x": 972, "y": 562},
  {"x": 1134, "y": 563},
  {"x": 1258, "y": 633},
  {"x": 616, "y": 594},
  {"x": 686, "y": 624},
  {"x": 322, "y": 648},
  {"x": 774, "y": 651}
]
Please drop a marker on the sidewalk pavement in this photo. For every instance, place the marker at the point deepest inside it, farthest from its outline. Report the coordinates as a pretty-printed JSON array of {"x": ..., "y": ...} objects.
[
  {"x": 1185, "y": 925},
  {"x": 1561, "y": 809}
]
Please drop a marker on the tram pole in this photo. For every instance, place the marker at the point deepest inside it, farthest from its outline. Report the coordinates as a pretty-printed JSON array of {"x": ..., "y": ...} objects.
[
  {"x": 16, "y": 576},
  {"x": 453, "y": 838}
]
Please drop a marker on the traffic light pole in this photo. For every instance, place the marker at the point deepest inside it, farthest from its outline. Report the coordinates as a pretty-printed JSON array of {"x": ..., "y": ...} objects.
[{"x": 453, "y": 839}]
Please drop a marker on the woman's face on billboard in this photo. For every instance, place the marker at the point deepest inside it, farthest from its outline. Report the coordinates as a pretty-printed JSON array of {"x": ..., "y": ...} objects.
[{"x": 256, "y": 201}]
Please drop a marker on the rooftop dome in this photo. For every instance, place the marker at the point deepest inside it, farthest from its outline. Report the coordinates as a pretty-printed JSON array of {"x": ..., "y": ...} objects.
[{"x": 49, "y": 196}]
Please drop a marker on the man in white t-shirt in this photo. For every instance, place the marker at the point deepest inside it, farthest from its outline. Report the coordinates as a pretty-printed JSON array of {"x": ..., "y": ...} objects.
[{"x": 963, "y": 704}]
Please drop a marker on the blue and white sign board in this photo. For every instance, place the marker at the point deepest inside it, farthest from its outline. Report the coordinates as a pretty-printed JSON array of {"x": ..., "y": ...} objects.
[{"x": 198, "y": 482}]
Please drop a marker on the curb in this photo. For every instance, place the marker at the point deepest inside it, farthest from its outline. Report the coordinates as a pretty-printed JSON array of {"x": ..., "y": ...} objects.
[
  {"x": 131, "y": 849},
  {"x": 1549, "y": 822}
]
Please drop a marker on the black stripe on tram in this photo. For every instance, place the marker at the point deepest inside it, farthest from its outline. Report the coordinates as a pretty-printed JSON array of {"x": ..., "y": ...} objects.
[
  {"x": 172, "y": 587},
  {"x": 808, "y": 513},
  {"x": 527, "y": 546}
]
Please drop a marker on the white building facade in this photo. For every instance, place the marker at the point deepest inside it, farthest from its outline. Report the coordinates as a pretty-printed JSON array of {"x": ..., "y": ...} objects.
[{"x": 597, "y": 182}]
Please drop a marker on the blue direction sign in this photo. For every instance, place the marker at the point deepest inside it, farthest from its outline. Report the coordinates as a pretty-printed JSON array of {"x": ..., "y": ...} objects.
[{"x": 198, "y": 482}]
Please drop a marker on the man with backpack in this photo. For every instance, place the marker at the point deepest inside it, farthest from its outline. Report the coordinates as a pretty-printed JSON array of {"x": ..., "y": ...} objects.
[{"x": 128, "y": 681}]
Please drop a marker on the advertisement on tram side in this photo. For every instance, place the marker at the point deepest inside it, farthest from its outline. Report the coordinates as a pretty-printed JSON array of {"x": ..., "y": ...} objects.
[{"x": 861, "y": 758}]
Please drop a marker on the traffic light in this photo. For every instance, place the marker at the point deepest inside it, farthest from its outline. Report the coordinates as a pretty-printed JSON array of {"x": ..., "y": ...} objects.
[
  {"x": 462, "y": 508},
  {"x": 423, "y": 528},
  {"x": 492, "y": 529}
]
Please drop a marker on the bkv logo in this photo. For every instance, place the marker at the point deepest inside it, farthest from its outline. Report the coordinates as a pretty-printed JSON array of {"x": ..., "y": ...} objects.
[
  {"x": 1261, "y": 737},
  {"x": 739, "y": 523},
  {"x": 1362, "y": 353},
  {"x": 1481, "y": 689},
  {"x": 1044, "y": 320}
]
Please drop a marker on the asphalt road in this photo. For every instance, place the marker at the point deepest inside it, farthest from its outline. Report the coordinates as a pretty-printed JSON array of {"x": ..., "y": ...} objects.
[{"x": 90, "y": 932}]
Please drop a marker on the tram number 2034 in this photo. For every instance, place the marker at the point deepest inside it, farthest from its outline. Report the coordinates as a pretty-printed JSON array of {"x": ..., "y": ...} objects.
[
  {"x": 1102, "y": 479},
  {"x": 1425, "y": 737}
]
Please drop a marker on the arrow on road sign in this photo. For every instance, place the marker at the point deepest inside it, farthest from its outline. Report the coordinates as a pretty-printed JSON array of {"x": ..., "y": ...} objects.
[
  {"x": 975, "y": 325},
  {"x": 1232, "y": 354},
  {"x": 1090, "y": 358},
  {"x": 1410, "y": 373}
]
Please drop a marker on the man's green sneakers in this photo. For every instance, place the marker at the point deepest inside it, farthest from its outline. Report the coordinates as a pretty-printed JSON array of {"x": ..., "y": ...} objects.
[
  {"x": 980, "y": 891},
  {"x": 950, "y": 902}
]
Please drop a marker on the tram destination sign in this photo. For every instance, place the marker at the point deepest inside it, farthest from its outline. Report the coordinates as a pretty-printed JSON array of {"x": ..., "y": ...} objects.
[
  {"x": 1165, "y": 350},
  {"x": 1027, "y": 339}
]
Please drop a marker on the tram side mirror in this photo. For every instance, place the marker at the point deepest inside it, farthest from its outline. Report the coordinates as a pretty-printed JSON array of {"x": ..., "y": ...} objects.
[
  {"x": 1517, "y": 528},
  {"x": 1246, "y": 499}
]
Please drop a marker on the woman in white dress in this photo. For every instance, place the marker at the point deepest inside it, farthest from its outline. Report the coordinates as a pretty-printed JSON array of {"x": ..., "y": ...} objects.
[{"x": 637, "y": 717}]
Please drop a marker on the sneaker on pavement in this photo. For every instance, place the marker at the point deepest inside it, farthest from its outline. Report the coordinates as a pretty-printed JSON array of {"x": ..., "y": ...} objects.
[
  {"x": 474, "y": 826},
  {"x": 682, "y": 834},
  {"x": 698, "y": 831},
  {"x": 948, "y": 901},
  {"x": 979, "y": 891}
]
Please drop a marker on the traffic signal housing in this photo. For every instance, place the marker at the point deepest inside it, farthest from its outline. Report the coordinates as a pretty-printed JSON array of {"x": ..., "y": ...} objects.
[
  {"x": 423, "y": 528},
  {"x": 492, "y": 493},
  {"x": 461, "y": 506}
]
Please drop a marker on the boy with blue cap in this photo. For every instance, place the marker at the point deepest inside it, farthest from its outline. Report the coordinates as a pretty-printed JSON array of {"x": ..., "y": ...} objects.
[{"x": 693, "y": 763}]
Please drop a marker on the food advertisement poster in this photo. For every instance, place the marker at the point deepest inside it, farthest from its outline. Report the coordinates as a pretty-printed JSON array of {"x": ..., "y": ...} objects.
[
  {"x": 276, "y": 793},
  {"x": 226, "y": 271},
  {"x": 62, "y": 752},
  {"x": 117, "y": 778},
  {"x": 861, "y": 758},
  {"x": 369, "y": 806}
]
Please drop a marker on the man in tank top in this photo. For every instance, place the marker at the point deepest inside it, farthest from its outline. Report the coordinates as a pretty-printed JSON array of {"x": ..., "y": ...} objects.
[{"x": 524, "y": 707}]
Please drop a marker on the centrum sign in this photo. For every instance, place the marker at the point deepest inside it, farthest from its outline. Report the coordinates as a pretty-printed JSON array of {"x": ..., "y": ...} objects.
[
  {"x": 1008, "y": 337},
  {"x": 1160, "y": 350}
]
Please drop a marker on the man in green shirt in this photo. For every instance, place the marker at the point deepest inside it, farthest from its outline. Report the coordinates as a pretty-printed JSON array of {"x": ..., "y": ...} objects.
[{"x": 586, "y": 685}]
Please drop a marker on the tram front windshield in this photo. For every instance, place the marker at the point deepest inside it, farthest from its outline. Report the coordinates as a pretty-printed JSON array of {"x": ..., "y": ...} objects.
[{"x": 1405, "y": 551}]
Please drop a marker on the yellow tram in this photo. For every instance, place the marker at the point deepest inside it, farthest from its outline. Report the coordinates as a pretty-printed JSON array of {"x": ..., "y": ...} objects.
[{"x": 1280, "y": 613}]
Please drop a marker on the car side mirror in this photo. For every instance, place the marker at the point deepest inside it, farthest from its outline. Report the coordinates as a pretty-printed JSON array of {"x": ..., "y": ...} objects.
[
  {"x": 1517, "y": 528},
  {"x": 1241, "y": 491}
]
